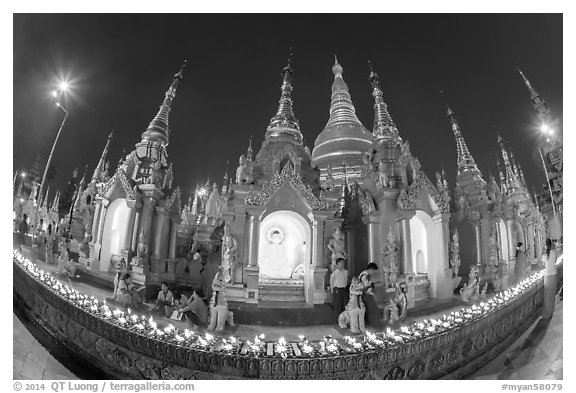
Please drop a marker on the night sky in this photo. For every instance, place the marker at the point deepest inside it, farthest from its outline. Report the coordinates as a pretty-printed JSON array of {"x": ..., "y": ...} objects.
[{"x": 121, "y": 66}]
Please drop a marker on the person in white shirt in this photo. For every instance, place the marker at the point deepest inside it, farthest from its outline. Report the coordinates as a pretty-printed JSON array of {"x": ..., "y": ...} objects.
[
  {"x": 164, "y": 299},
  {"x": 549, "y": 281},
  {"x": 338, "y": 283}
]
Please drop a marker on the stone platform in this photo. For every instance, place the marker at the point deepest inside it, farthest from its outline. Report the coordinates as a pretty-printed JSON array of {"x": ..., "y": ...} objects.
[
  {"x": 273, "y": 313},
  {"x": 280, "y": 290}
]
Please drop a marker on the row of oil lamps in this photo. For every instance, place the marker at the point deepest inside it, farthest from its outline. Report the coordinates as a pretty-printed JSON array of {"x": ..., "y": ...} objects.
[{"x": 259, "y": 347}]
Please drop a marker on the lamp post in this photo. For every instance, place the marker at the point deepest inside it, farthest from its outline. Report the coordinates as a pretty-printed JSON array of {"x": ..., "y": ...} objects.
[
  {"x": 22, "y": 175},
  {"x": 548, "y": 130},
  {"x": 63, "y": 88}
]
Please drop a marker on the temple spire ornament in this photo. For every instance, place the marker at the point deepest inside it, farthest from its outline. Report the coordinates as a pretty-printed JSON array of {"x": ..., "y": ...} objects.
[
  {"x": 56, "y": 201},
  {"x": 508, "y": 168},
  {"x": 45, "y": 200},
  {"x": 465, "y": 160},
  {"x": 249, "y": 152},
  {"x": 284, "y": 122},
  {"x": 159, "y": 129},
  {"x": 97, "y": 176},
  {"x": 342, "y": 109},
  {"x": 384, "y": 127},
  {"x": 540, "y": 106}
]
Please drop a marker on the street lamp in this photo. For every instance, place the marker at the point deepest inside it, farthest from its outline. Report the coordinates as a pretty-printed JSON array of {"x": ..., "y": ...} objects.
[
  {"x": 549, "y": 131},
  {"x": 63, "y": 88},
  {"x": 22, "y": 175}
]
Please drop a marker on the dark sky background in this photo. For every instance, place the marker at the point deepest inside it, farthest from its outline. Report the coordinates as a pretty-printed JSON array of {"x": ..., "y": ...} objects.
[{"x": 121, "y": 66}]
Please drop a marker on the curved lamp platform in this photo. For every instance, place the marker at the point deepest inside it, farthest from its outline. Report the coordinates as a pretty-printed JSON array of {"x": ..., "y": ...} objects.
[{"x": 129, "y": 347}]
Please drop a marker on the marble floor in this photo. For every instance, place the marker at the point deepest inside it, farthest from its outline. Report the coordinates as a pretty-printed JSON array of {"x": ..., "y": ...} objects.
[
  {"x": 536, "y": 355},
  {"x": 31, "y": 360}
]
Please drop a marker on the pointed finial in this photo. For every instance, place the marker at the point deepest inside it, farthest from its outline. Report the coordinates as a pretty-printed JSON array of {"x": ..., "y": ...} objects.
[
  {"x": 122, "y": 156},
  {"x": 178, "y": 75},
  {"x": 337, "y": 68},
  {"x": 449, "y": 111},
  {"x": 533, "y": 92},
  {"x": 287, "y": 71},
  {"x": 249, "y": 152},
  {"x": 373, "y": 76},
  {"x": 290, "y": 54}
]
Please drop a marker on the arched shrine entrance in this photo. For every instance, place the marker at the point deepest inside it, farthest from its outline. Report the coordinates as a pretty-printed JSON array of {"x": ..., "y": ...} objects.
[
  {"x": 114, "y": 232},
  {"x": 284, "y": 255}
]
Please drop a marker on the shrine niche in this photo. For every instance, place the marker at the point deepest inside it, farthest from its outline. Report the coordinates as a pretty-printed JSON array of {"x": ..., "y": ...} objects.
[
  {"x": 282, "y": 248},
  {"x": 114, "y": 232}
]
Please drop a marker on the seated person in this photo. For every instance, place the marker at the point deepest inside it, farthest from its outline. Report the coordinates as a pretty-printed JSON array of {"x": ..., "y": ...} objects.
[
  {"x": 127, "y": 294},
  {"x": 164, "y": 299},
  {"x": 179, "y": 300},
  {"x": 196, "y": 311}
]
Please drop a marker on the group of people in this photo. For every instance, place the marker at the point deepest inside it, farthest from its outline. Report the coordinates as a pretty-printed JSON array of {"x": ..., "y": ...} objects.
[
  {"x": 359, "y": 295},
  {"x": 193, "y": 308},
  {"x": 550, "y": 281},
  {"x": 347, "y": 298}
]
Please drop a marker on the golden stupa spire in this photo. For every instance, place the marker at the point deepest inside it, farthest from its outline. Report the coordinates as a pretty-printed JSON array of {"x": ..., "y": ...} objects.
[
  {"x": 539, "y": 104},
  {"x": 384, "y": 127},
  {"x": 342, "y": 109},
  {"x": 102, "y": 162},
  {"x": 56, "y": 201},
  {"x": 45, "y": 200},
  {"x": 159, "y": 129},
  {"x": 249, "y": 151},
  {"x": 465, "y": 160},
  {"x": 533, "y": 92},
  {"x": 284, "y": 122}
]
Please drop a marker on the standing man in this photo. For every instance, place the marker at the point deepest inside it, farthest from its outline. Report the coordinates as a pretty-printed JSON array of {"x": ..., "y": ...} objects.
[{"x": 338, "y": 283}]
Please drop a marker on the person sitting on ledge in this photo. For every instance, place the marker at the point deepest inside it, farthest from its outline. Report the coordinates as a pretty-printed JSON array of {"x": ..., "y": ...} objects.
[
  {"x": 373, "y": 313},
  {"x": 179, "y": 300},
  {"x": 164, "y": 299},
  {"x": 196, "y": 311},
  {"x": 128, "y": 295}
]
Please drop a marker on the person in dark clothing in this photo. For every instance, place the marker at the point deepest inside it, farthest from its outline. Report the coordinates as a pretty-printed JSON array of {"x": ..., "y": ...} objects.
[
  {"x": 196, "y": 311},
  {"x": 373, "y": 313},
  {"x": 23, "y": 230}
]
